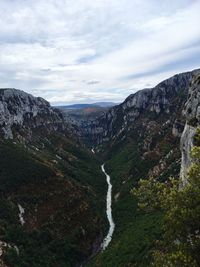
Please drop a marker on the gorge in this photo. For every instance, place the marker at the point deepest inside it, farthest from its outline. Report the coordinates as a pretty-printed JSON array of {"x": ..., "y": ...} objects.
[{"x": 54, "y": 182}]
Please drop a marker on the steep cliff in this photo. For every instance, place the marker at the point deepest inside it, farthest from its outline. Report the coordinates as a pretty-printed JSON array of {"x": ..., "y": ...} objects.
[
  {"x": 150, "y": 121},
  {"x": 51, "y": 187},
  {"x": 192, "y": 115},
  {"x": 141, "y": 139},
  {"x": 21, "y": 114},
  {"x": 165, "y": 99},
  {"x": 52, "y": 194}
]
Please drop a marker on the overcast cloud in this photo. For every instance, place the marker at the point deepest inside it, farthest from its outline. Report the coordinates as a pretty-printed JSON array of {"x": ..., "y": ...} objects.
[{"x": 76, "y": 51}]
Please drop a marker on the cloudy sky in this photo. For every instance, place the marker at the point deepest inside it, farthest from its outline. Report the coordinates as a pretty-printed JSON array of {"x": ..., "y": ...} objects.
[{"x": 79, "y": 51}]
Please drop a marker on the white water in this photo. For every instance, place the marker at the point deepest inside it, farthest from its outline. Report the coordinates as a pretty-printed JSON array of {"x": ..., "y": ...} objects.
[
  {"x": 108, "y": 237},
  {"x": 21, "y": 213}
]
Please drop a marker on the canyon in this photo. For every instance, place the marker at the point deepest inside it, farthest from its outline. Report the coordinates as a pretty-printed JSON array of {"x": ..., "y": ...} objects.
[{"x": 55, "y": 177}]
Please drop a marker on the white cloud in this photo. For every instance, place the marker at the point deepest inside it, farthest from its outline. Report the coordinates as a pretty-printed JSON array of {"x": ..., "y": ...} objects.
[{"x": 85, "y": 50}]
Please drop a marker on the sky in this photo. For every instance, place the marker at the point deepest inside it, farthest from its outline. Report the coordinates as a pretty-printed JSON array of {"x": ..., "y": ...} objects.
[{"x": 84, "y": 51}]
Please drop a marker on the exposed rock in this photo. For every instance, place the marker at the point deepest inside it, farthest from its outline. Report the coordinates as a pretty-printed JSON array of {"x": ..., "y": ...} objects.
[
  {"x": 3, "y": 247},
  {"x": 177, "y": 129},
  {"x": 157, "y": 170},
  {"x": 154, "y": 116},
  {"x": 192, "y": 114},
  {"x": 167, "y": 98},
  {"x": 38, "y": 171},
  {"x": 186, "y": 147},
  {"x": 21, "y": 113}
]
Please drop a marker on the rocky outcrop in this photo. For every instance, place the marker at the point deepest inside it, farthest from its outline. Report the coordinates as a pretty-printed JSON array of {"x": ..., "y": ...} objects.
[
  {"x": 192, "y": 114},
  {"x": 167, "y": 98},
  {"x": 47, "y": 186},
  {"x": 21, "y": 113}
]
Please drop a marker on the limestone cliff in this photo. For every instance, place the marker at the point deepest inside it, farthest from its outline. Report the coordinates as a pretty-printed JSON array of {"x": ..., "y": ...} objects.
[
  {"x": 51, "y": 187},
  {"x": 21, "y": 113},
  {"x": 192, "y": 114},
  {"x": 165, "y": 99}
]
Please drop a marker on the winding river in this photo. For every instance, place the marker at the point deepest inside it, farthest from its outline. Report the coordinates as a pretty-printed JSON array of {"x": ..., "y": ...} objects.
[{"x": 108, "y": 237}]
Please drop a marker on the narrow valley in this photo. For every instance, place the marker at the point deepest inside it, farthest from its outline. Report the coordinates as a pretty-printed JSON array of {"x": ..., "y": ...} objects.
[
  {"x": 59, "y": 208},
  {"x": 99, "y": 133}
]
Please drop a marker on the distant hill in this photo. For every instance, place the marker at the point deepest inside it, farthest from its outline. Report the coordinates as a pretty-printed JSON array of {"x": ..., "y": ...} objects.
[
  {"x": 105, "y": 104},
  {"x": 83, "y": 106}
]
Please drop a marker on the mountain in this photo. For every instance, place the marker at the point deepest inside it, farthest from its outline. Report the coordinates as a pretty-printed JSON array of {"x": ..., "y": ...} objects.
[
  {"x": 21, "y": 114},
  {"x": 78, "y": 114},
  {"x": 140, "y": 138},
  {"x": 105, "y": 104},
  {"x": 154, "y": 102},
  {"x": 77, "y": 106},
  {"x": 82, "y": 106},
  {"x": 52, "y": 208},
  {"x": 51, "y": 212}
]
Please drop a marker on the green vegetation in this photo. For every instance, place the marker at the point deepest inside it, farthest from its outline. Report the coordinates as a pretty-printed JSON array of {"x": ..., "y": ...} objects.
[
  {"x": 39, "y": 248},
  {"x": 132, "y": 156},
  {"x": 132, "y": 244},
  {"x": 18, "y": 168},
  {"x": 61, "y": 188},
  {"x": 181, "y": 243},
  {"x": 135, "y": 231}
]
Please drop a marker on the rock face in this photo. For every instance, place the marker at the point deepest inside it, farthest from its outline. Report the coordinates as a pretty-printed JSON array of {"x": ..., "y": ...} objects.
[
  {"x": 150, "y": 122},
  {"x": 50, "y": 186},
  {"x": 166, "y": 98},
  {"x": 192, "y": 114},
  {"x": 20, "y": 113}
]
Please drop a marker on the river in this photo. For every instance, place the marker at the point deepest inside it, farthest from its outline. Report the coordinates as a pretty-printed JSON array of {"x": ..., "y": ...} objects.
[{"x": 108, "y": 237}]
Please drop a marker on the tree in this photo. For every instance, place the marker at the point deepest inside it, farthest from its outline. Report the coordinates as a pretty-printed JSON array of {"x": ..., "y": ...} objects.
[{"x": 180, "y": 244}]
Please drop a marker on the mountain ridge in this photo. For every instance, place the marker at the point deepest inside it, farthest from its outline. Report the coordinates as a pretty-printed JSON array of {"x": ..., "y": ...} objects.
[
  {"x": 142, "y": 140},
  {"x": 18, "y": 108},
  {"x": 154, "y": 100},
  {"x": 86, "y": 105},
  {"x": 46, "y": 179},
  {"x": 50, "y": 156}
]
